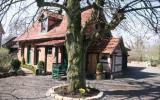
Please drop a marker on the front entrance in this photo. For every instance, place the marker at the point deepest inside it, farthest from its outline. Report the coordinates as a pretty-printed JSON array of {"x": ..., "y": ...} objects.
[
  {"x": 92, "y": 62},
  {"x": 59, "y": 68},
  {"x": 29, "y": 54}
]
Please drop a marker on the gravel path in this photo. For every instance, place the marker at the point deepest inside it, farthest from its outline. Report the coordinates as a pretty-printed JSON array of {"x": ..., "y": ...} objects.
[
  {"x": 139, "y": 83},
  {"x": 26, "y": 87}
]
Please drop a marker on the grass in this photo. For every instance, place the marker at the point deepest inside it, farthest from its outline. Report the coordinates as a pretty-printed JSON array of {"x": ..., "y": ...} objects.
[{"x": 29, "y": 67}]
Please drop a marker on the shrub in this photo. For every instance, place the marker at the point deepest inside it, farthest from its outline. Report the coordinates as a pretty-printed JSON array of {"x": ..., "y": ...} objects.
[
  {"x": 5, "y": 60},
  {"x": 40, "y": 65},
  {"x": 41, "y": 69},
  {"x": 29, "y": 67},
  {"x": 155, "y": 63},
  {"x": 15, "y": 64},
  {"x": 99, "y": 67}
]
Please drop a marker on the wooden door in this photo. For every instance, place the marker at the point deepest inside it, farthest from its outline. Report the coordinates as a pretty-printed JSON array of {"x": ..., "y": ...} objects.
[
  {"x": 92, "y": 62},
  {"x": 117, "y": 63}
]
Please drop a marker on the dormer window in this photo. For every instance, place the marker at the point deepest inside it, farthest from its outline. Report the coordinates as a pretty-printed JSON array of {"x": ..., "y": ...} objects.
[
  {"x": 49, "y": 20},
  {"x": 44, "y": 25},
  {"x": 53, "y": 22}
]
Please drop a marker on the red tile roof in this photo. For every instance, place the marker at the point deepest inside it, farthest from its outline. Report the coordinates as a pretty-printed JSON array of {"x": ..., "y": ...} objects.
[
  {"x": 106, "y": 45},
  {"x": 51, "y": 42},
  {"x": 33, "y": 32}
]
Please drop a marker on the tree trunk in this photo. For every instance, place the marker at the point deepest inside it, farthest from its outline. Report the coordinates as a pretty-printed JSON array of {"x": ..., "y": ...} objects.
[
  {"x": 76, "y": 66},
  {"x": 74, "y": 46}
]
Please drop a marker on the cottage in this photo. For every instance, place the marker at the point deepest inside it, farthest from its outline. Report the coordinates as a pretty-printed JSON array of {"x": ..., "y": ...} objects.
[
  {"x": 44, "y": 41},
  {"x": 109, "y": 51},
  {"x": 11, "y": 45}
]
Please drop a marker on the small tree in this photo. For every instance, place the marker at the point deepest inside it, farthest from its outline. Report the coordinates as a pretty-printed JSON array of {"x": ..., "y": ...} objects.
[
  {"x": 99, "y": 71},
  {"x": 99, "y": 67},
  {"x": 15, "y": 65}
]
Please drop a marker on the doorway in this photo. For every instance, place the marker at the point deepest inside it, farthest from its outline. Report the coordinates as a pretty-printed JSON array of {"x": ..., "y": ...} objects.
[{"x": 29, "y": 54}]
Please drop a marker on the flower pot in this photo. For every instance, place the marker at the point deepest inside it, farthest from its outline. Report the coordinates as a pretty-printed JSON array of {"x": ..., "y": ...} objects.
[{"x": 98, "y": 75}]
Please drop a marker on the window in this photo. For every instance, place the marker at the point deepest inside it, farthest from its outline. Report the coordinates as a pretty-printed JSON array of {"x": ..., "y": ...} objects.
[
  {"x": 53, "y": 22},
  {"x": 44, "y": 25},
  {"x": 104, "y": 57},
  {"x": 22, "y": 51},
  {"x": 49, "y": 50}
]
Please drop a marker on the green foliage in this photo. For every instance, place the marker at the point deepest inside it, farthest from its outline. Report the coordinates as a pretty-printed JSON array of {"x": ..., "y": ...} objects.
[
  {"x": 29, "y": 67},
  {"x": 4, "y": 51},
  {"x": 41, "y": 68},
  {"x": 40, "y": 65},
  {"x": 82, "y": 91},
  {"x": 5, "y": 60},
  {"x": 99, "y": 67},
  {"x": 15, "y": 64}
]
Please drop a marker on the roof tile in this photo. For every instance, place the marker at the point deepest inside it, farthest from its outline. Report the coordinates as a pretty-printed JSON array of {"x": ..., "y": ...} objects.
[
  {"x": 105, "y": 45},
  {"x": 33, "y": 32}
]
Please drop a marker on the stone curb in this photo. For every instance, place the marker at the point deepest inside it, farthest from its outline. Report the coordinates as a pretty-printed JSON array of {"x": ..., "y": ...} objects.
[{"x": 55, "y": 96}]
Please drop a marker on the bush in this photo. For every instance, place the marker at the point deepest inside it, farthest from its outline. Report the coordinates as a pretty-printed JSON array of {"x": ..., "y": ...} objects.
[
  {"x": 5, "y": 60},
  {"x": 41, "y": 69},
  {"x": 29, "y": 67},
  {"x": 155, "y": 63},
  {"x": 99, "y": 67},
  {"x": 15, "y": 64},
  {"x": 40, "y": 65}
]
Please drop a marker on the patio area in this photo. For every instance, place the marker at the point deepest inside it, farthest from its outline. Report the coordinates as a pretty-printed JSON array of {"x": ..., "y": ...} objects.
[{"x": 138, "y": 83}]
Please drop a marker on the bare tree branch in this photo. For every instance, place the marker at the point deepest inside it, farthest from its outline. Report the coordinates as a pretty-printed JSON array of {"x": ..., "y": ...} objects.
[
  {"x": 53, "y": 4},
  {"x": 135, "y": 9}
]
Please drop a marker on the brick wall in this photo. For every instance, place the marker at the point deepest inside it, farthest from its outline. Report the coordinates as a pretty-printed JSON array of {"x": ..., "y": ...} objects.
[
  {"x": 41, "y": 50},
  {"x": 41, "y": 54}
]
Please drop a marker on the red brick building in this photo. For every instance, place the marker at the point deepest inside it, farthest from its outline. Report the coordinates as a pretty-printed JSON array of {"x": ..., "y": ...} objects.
[{"x": 44, "y": 41}]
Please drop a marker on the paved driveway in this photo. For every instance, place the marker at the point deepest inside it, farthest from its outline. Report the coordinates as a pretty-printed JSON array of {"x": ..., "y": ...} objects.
[
  {"x": 139, "y": 83},
  {"x": 26, "y": 87}
]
